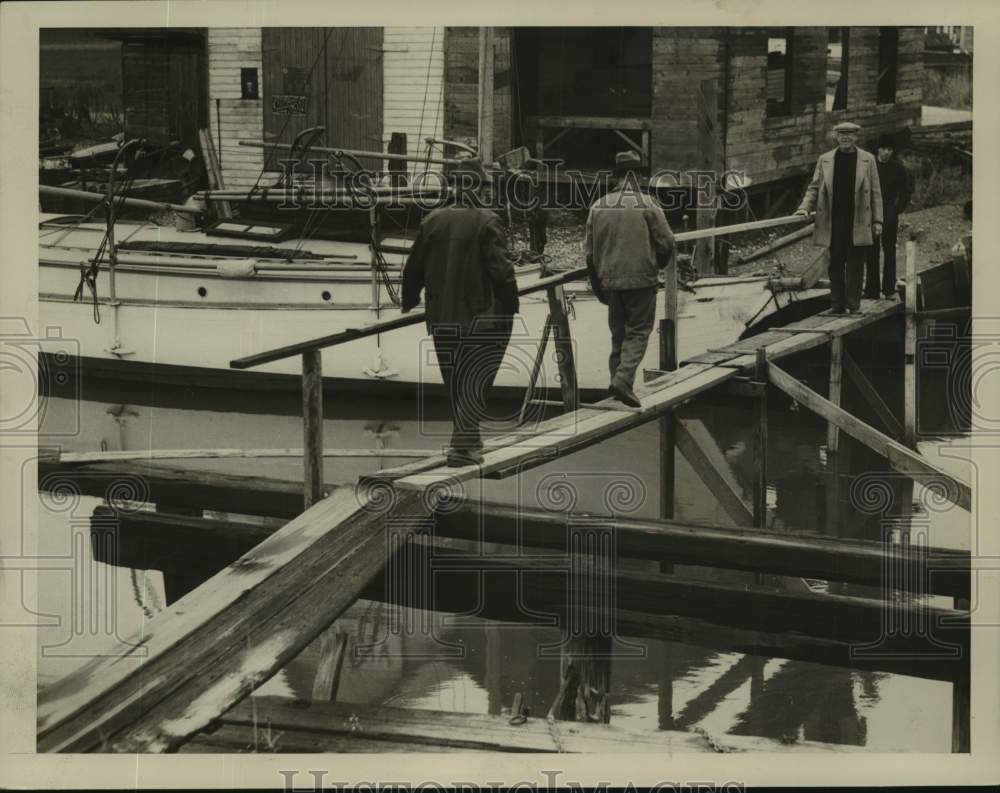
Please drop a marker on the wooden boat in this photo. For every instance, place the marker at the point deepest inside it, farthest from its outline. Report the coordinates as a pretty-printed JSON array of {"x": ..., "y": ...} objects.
[{"x": 184, "y": 304}]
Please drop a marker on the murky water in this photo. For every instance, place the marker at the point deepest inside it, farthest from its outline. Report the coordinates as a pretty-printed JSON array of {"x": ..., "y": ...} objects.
[{"x": 670, "y": 685}]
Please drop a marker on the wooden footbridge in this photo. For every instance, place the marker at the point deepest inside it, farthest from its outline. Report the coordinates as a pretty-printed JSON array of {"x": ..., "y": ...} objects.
[{"x": 281, "y": 583}]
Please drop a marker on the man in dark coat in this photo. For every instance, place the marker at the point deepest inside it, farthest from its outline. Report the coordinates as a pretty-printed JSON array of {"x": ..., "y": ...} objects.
[
  {"x": 459, "y": 259},
  {"x": 896, "y": 192},
  {"x": 845, "y": 193},
  {"x": 627, "y": 242}
]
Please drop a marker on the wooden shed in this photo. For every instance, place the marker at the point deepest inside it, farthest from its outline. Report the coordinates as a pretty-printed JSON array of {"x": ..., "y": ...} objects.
[{"x": 757, "y": 100}]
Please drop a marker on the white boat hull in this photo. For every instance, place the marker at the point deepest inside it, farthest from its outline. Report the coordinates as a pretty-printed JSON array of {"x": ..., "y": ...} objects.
[{"x": 192, "y": 312}]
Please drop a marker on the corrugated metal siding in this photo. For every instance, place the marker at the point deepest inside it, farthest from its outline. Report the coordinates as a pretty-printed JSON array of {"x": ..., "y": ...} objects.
[
  {"x": 413, "y": 85},
  {"x": 229, "y": 50}
]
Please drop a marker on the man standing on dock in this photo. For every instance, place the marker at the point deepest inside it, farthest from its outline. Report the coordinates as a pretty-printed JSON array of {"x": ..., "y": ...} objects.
[
  {"x": 459, "y": 258},
  {"x": 627, "y": 242},
  {"x": 895, "y": 184},
  {"x": 846, "y": 195}
]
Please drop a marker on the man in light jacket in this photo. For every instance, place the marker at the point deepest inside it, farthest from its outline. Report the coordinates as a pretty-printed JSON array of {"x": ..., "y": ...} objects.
[
  {"x": 627, "y": 242},
  {"x": 847, "y": 197}
]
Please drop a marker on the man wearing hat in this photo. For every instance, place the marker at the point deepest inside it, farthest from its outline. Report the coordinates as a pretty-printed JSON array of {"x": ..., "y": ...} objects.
[
  {"x": 627, "y": 242},
  {"x": 459, "y": 259},
  {"x": 896, "y": 191},
  {"x": 847, "y": 198}
]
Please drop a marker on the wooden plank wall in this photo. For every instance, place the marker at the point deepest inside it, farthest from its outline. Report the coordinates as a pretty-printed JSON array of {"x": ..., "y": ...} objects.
[
  {"x": 682, "y": 58},
  {"x": 461, "y": 86},
  {"x": 413, "y": 86},
  {"x": 352, "y": 104},
  {"x": 773, "y": 148},
  {"x": 229, "y": 50}
]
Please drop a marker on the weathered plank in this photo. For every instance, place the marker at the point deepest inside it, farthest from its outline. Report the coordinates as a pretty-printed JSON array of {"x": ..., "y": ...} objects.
[
  {"x": 332, "y": 649},
  {"x": 479, "y": 732},
  {"x": 150, "y": 540},
  {"x": 902, "y": 459},
  {"x": 216, "y": 644},
  {"x": 784, "y": 553},
  {"x": 658, "y": 397},
  {"x": 173, "y": 543},
  {"x": 160, "y": 483},
  {"x": 504, "y": 578},
  {"x": 872, "y": 396},
  {"x": 710, "y": 465}
]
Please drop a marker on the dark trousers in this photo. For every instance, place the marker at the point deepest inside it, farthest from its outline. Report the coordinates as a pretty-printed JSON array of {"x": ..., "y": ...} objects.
[
  {"x": 631, "y": 315},
  {"x": 847, "y": 262},
  {"x": 886, "y": 245},
  {"x": 469, "y": 362}
]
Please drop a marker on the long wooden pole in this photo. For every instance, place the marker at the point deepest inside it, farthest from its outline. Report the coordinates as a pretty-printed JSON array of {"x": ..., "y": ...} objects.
[
  {"x": 359, "y": 153},
  {"x": 99, "y": 198},
  {"x": 910, "y": 348},
  {"x": 564, "y": 348},
  {"x": 836, "y": 378},
  {"x": 760, "y": 458},
  {"x": 668, "y": 424},
  {"x": 312, "y": 415},
  {"x": 486, "y": 94}
]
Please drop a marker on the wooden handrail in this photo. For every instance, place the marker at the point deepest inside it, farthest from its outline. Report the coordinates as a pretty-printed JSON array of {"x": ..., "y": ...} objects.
[
  {"x": 403, "y": 321},
  {"x": 415, "y": 317}
]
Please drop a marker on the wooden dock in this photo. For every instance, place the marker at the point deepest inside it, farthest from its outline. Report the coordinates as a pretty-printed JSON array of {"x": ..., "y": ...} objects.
[
  {"x": 277, "y": 579},
  {"x": 194, "y": 665}
]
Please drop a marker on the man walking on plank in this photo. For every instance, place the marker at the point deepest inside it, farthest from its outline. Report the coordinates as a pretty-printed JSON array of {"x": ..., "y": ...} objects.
[
  {"x": 846, "y": 195},
  {"x": 627, "y": 242},
  {"x": 459, "y": 259}
]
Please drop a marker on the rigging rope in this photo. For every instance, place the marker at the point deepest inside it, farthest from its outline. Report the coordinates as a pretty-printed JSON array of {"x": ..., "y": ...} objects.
[{"x": 88, "y": 275}]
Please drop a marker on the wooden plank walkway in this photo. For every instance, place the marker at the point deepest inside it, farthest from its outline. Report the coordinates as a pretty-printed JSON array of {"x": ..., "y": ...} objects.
[{"x": 210, "y": 649}]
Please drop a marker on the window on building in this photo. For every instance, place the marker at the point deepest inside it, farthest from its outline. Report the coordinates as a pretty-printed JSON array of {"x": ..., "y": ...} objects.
[
  {"x": 838, "y": 53},
  {"x": 888, "y": 55},
  {"x": 779, "y": 72}
]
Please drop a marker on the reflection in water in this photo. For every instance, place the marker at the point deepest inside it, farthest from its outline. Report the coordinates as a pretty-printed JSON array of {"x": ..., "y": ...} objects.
[{"x": 674, "y": 686}]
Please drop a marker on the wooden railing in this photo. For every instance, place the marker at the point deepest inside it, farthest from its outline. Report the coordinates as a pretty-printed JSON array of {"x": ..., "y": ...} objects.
[{"x": 312, "y": 364}]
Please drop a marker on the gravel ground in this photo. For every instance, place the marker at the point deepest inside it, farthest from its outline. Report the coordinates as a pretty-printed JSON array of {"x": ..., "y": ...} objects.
[{"x": 938, "y": 228}]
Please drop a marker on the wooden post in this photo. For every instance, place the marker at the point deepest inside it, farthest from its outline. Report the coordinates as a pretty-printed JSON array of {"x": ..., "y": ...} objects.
[
  {"x": 397, "y": 168},
  {"x": 836, "y": 378},
  {"x": 668, "y": 325},
  {"x": 332, "y": 649},
  {"x": 910, "y": 348},
  {"x": 486, "y": 95},
  {"x": 494, "y": 667},
  {"x": 960, "y": 712},
  {"x": 585, "y": 656},
  {"x": 668, "y": 472},
  {"x": 710, "y": 161},
  {"x": 760, "y": 458},
  {"x": 665, "y": 688},
  {"x": 563, "y": 347},
  {"x": 668, "y": 363},
  {"x": 312, "y": 422}
]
